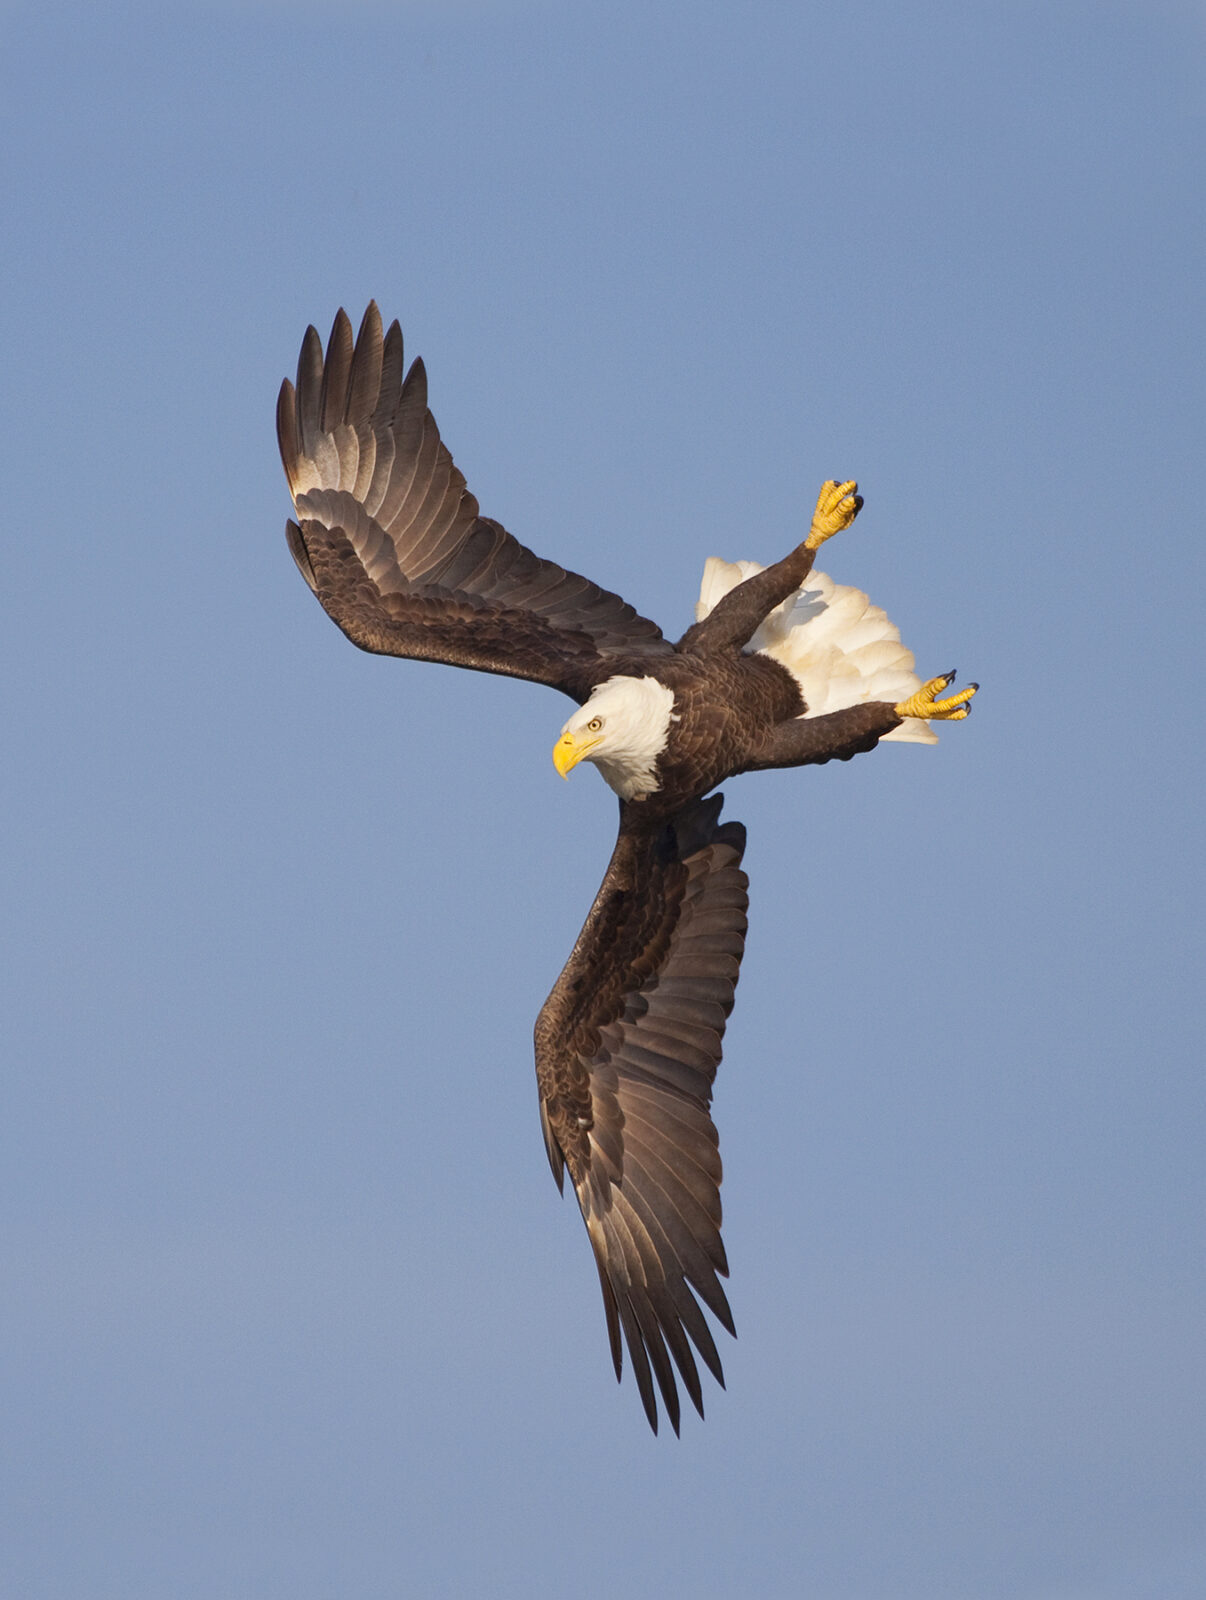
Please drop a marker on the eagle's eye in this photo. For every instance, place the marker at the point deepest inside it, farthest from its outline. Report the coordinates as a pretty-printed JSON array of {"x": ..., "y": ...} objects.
[{"x": 594, "y": 724}]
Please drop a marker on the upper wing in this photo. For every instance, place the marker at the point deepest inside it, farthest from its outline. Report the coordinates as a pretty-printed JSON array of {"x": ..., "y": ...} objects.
[
  {"x": 627, "y": 1047},
  {"x": 390, "y": 538}
]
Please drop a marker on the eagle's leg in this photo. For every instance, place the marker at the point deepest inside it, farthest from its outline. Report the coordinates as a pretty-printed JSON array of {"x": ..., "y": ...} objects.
[
  {"x": 838, "y": 735},
  {"x": 835, "y": 736},
  {"x": 926, "y": 704},
  {"x": 734, "y": 619}
]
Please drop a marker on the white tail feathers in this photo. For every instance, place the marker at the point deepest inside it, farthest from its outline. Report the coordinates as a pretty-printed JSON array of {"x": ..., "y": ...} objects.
[{"x": 840, "y": 648}]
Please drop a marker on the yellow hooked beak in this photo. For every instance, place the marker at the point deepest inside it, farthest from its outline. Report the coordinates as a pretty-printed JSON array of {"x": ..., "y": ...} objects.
[{"x": 570, "y": 749}]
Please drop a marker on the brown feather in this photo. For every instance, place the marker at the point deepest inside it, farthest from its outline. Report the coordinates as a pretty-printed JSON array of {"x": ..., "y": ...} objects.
[
  {"x": 625, "y": 1085},
  {"x": 368, "y": 470}
]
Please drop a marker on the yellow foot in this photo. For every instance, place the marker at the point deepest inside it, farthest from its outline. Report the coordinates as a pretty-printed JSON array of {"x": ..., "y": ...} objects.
[
  {"x": 837, "y": 506},
  {"x": 923, "y": 704}
]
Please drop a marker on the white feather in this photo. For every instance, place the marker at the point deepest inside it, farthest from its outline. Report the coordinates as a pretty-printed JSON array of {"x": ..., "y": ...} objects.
[{"x": 840, "y": 648}]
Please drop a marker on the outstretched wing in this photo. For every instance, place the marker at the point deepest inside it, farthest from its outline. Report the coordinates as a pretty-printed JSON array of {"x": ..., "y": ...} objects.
[
  {"x": 390, "y": 540},
  {"x": 627, "y": 1047}
]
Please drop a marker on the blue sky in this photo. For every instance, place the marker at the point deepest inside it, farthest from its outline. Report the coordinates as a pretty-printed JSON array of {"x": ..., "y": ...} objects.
[{"x": 292, "y": 1306}]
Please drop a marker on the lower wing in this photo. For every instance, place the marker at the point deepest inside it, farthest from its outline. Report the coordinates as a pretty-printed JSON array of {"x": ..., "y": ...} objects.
[{"x": 627, "y": 1048}]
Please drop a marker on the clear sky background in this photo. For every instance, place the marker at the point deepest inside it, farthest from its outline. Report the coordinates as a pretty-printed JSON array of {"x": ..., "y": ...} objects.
[{"x": 292, "y": 1310}]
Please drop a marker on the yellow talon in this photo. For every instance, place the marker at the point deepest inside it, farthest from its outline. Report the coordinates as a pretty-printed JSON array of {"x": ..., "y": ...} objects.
[
  {"x": 923, "y": 704},
  {"x": 837, "y": 506}
]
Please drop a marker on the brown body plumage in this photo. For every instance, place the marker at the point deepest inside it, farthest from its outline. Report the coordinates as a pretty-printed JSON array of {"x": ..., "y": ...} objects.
[{"x": 628, "y": 1043}]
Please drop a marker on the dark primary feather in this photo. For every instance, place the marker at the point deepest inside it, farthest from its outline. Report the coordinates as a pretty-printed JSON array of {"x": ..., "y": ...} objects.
[
  {"x": 627, "y": 1048},
  {"x": 391, "y": 540}
]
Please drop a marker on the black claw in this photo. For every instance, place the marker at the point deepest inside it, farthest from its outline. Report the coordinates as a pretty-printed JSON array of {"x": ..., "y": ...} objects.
[
  {"x": 973, "y": 686},
  {"x": 950, "y": 677}
]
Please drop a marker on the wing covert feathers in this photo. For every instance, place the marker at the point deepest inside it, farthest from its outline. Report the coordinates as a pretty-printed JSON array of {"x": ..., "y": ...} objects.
[
  {"x": 627, "y": 1048},
  {"x": 390, "y": 538}
]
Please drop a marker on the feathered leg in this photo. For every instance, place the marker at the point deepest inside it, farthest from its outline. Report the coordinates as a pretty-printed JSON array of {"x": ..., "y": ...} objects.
[
  {"x": 838, "y": 735},
  {"x": 735, "y": 618}
]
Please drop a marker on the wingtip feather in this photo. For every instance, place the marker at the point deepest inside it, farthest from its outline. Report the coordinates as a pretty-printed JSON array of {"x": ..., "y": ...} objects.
[{"x": 286, "y": 431}]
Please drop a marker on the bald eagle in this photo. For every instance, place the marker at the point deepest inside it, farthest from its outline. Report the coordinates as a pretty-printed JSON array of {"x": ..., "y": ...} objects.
[{"x": 781, "y": 668}]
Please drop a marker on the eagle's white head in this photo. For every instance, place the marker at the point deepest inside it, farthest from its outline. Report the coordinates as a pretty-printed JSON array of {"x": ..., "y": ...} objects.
[{"x": 622, "y": 728}]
